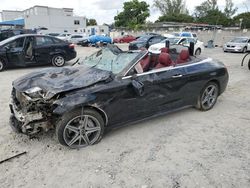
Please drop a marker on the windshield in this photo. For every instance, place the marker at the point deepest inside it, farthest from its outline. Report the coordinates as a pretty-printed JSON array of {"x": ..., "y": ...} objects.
[
  {"x": 107, "y": 60},
  {"x": 239, "y": 40}
]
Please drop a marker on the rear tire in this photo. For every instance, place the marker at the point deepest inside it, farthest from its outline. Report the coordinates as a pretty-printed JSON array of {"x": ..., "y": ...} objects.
[
  {"x": 58, "y": 60},
  {"x": 208, "y": 96},
  {"x": 80, "y": 128},
  {"x": 2, "y": 65}
]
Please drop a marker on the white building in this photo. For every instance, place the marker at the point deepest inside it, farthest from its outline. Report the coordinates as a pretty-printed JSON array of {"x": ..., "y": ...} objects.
[
  {"x": 95, "y": 30},
  {"x": 54, "y": 19}
]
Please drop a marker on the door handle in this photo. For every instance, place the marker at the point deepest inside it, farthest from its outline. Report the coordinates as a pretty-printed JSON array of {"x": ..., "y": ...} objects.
[{"x": 177, "y": 76}]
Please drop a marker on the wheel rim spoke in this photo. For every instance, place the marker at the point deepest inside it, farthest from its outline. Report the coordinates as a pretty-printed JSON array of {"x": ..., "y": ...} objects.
[
  {"x": 74, "y": 139},
  {"x": 86, "y": 139},
  {"x": 92, "y": 130},
  {"x": 72, "y": 128},
  {"x": 204, "y": 100}
]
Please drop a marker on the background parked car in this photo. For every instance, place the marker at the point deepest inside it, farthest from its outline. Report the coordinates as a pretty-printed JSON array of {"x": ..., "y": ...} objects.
[
  {"x": 125, "y": 38},
  {"x": 145, "y": 41},
  {"x": 53, "y": 34},
  {"x": 92, "y": 40},
  {"x": 76, "y": 38},
  {"x": 64, "y": 36},
  {"x": 31, "y": 49},
  {"x": 238, "y": 44},
  {"x": 185, "y": 34},
  {"x": 185, "y": 41}
]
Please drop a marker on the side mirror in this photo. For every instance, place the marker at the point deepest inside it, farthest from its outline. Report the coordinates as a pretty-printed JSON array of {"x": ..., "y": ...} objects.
[{"x": 138, "y": 87}]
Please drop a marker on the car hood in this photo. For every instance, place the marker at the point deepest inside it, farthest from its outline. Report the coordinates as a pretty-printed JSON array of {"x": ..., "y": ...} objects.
[
  {"x": 52, "y": 81},
  {"x": 235, "y": 43}
]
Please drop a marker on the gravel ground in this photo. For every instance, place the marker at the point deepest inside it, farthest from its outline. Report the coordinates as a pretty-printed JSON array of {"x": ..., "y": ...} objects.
[{"x": 188, "y": 148}]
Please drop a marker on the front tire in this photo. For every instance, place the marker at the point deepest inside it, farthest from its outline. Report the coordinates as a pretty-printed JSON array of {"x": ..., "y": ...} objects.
[
  {"x": 198, "y": 52},
  {"x": 208, "y": 96},
  {"x": 80, "y": 128},
  {"x": 2, "y": 65},
  {"x": 58, "y": 60},
  {"x": 244, "y": 50}
]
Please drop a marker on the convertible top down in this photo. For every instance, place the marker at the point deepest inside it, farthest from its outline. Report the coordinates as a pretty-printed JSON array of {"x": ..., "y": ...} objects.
[{"x": 111, "y": 88}]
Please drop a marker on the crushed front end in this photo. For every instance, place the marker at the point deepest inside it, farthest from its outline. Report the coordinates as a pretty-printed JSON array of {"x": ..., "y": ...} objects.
[{"x": 30, "y": 112}]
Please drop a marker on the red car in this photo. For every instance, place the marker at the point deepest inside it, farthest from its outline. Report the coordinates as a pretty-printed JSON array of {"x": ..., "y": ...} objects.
[{"x": 125, "y": 38}]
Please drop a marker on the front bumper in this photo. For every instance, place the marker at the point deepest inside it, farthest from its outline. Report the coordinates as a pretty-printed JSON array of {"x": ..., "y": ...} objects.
[
  {"x": 229, "y": 49},
  {"x": 25, "y": 121}
]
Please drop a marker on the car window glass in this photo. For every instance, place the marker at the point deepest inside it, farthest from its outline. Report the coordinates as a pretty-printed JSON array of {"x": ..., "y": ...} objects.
[
  {"x": 157, "y": 39},
  {"x": 18, "y": 43},
  {"x": 77, "y": 36},
  {"x": 41, "y": 41},
  {"x": 105, "y": 59}
]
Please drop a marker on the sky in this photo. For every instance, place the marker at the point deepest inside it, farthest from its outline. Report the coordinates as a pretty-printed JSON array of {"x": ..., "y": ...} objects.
[{"x": 105, "y": 10}]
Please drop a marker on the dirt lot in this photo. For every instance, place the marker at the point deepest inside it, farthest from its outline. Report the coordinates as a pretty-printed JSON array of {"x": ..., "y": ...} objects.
[{"x": 188, "y": 148}]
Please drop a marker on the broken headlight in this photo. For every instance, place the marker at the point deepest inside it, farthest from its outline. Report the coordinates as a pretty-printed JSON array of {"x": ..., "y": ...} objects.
[{"x": 34, "y": 92}]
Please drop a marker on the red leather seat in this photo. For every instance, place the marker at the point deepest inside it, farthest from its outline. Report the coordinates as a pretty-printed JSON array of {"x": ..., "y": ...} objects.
[
  {"x": 164, "y": 60},
  {"x": 165, "y": 50},
  {"x": 183, "y": 57},
  {"x": 145, "y": 63}
]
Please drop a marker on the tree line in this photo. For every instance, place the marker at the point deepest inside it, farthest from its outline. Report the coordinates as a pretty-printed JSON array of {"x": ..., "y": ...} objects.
[{"x": 136, "y": 12}]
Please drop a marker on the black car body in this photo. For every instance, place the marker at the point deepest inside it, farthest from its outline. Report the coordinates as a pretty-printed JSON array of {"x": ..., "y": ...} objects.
[
  {"x": 31, "y": 49},
  {"x": 145, "y": 41},
  {"x": 110, "y": 90}
]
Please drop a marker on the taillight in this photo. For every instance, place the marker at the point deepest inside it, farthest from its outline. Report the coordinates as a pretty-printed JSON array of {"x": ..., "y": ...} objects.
[{"x": 72, "y": 46}]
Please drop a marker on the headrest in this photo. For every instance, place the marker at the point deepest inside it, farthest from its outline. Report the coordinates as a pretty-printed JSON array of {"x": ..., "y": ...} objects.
[
  {"x": 164, "y": 59},
  {"x": 184, "y": 55}
]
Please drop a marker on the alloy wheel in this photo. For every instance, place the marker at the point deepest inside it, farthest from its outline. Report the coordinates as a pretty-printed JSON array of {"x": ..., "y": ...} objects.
[
  {"x": 209, "y": 96},
  {"x": 82, "y": 131},
  {"x": 1, "y": 65},
  {"x": 58, "y": 61}
]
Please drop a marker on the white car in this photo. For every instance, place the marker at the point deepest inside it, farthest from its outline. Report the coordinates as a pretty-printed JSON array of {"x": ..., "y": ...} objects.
[
  {"x": 185, "y": 41},
  {"x": 76, "y": 38},
  {"x": 63, "y": 36}
]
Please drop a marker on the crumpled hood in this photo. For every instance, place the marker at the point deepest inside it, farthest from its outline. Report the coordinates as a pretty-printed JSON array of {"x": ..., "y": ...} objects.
[{"x": 56, "y": 80}]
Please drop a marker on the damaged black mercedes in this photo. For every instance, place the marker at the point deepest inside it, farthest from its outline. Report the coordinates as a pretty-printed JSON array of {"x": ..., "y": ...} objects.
[{"x": 112, "y": 88}]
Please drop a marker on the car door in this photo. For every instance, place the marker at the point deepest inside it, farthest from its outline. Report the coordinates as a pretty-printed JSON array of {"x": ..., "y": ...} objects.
[
  {"x": 162, "y": 90},
  {"x": 15, "y": 52},
  {"x": 42, "y": 49}
]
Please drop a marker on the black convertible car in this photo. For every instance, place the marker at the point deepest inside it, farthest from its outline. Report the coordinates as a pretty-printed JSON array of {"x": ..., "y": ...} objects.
[
  {"x": 33, "y": 50},
  {"x": 111, "y": 88}
]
